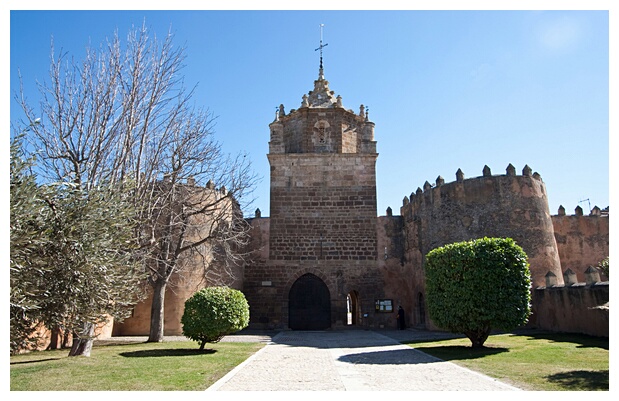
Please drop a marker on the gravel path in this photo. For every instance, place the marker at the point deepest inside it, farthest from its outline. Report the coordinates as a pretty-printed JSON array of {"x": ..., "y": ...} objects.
[{"x": 350, "y": 360}]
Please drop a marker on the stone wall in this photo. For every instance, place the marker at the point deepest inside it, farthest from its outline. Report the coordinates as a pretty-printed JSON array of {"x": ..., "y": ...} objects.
[
  {"x": 582, "y": 241},
  {"x": 579, "y": 308},
  {"x": 323, "y": 207},
  {"x": 196, "y": 269},
  {"x": 487, "y": 206}
]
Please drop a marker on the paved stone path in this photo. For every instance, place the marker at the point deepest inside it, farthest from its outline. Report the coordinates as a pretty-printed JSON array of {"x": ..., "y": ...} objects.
[{"x": 350, "y": 360}]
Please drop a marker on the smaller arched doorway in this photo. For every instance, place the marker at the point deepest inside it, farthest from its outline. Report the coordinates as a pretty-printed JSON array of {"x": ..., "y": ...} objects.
[{"x": 352, "y": 308}]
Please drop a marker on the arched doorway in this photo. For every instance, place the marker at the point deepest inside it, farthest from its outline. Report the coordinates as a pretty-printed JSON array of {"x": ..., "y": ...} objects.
[
  {"x": 352, "y": 308},
  {"x": 309, "y": 304}
]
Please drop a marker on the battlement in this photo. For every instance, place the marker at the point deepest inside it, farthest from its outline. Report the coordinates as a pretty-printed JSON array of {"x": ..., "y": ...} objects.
[
  {"x": 510, "y": 171},
  {"x": 508, "y": 205},
  {"x": 595, "y": 212}
]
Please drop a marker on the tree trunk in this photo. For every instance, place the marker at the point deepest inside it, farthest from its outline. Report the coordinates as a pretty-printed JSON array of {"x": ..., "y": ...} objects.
[
  {"x": 478, "y": 337},
  {"x": 66, "y": 336},
  {"x": 82, "y": 342},
  {"x": 156, "y": 312},
  {"x": 55, "y": 336}
]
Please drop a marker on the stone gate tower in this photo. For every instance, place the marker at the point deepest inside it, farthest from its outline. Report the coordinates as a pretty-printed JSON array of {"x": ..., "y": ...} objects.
[{"x": 321, "y": 251}]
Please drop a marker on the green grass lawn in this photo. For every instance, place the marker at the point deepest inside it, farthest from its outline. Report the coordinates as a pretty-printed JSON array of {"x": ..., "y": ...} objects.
[
  {"x": 532, "y": 361},
  {"x": 177, "y": 365}
]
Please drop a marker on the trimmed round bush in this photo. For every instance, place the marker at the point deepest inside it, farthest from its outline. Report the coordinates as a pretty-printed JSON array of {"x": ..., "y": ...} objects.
[
  {"x": 475, "y": 286},
  {"x": 214, "y": 312}
]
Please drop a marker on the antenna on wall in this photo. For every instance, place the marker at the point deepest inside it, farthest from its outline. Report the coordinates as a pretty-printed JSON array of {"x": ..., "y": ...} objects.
[{"x": 586, "y": 200}]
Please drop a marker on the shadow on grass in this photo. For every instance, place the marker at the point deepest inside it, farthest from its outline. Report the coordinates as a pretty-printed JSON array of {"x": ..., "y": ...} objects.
[
  {"x": 581, "y": 380},
  {"x": 583, "y": 340},
  {"x": 35, "y": 361},
  {"x": 459, "y": 352},
  {"x": 167, "y": 352}
]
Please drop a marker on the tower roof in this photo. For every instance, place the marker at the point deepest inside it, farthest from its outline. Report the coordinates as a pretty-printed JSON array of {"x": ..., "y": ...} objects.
[{"x": 321, "y": 96}]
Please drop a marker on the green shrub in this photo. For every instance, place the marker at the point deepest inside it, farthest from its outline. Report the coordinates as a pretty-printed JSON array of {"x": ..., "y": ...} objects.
[
  {"x": 214, "y": 312},
  {"x": 475, "y": 286}
]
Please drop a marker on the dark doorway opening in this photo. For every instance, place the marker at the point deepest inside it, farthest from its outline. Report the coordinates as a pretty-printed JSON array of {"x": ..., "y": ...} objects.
[
  {"x": 309, "y": 304},
  {"x": 352, "y": 308}
]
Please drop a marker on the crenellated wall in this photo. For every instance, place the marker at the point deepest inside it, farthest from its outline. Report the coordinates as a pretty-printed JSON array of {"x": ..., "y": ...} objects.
[
  {"x": 507, "y": 205},
  {"x": 578, "y": 308},
  {"x": 582, "y": 241}
]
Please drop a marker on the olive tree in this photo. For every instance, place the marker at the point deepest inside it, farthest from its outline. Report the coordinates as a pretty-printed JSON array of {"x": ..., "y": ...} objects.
[
  {"x": 475, "y": 286},
  {"x": 214, "y": 312},
  {"x": 72, "y": 264}
]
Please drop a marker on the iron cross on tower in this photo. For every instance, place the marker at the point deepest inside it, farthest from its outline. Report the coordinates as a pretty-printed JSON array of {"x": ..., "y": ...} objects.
[{"x": 321, "y": 45}]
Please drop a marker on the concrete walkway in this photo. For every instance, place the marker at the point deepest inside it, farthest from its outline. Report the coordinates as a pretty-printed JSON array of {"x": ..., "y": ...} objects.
[{"x": 349, "y": 360}]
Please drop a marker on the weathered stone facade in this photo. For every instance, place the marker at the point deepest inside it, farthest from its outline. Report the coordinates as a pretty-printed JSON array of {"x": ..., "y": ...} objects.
[
  {"x": 324, "y": 224},
  {"x": 324, "y": 259}
]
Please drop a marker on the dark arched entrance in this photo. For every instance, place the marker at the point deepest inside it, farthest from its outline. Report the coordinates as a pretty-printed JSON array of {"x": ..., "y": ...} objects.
[{"x": 309, "y": 304}]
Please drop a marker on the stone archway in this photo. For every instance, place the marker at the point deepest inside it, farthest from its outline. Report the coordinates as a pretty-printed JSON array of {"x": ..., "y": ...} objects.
[{"x": 309, "y": 304}]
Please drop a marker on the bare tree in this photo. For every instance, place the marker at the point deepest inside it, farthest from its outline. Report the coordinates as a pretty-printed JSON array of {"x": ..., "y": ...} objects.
[{"x": 123, "y": 113}]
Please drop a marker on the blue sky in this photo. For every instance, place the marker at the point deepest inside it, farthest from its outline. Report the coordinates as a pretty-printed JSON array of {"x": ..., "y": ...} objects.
[{"x": 446, "y": 89}]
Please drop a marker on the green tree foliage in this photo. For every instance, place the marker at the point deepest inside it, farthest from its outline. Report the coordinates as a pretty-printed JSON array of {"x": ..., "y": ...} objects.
[
  {"x": 476, "y": 286},
  {"x": 71, "y": 256},
  {"x": 94, "y": 275},
  {"x": 214, "y": 312},
  {"x": 29, "y": 218}
]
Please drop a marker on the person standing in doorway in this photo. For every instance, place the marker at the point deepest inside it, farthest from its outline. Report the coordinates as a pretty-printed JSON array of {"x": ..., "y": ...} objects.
[{"x": 401, "y": 323}]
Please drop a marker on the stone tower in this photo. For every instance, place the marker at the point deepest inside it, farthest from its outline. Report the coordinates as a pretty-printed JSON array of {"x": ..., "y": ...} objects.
[
  {"x": 323, "y": 181},
  {"x": 318, "y": 267}
]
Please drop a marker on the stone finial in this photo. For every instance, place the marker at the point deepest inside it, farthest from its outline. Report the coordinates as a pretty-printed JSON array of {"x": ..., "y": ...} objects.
[
  {"x": 210, "y": 184},
  {"x": 526, "y": 171},
  {"x": 561, "y": 210},
  {"x": 427, "y": 186},
  {"x": 595, "y": 211},
  {"x": 338, "y": 101},
  {"x": 511, "y": 170},
  {"x": 362, "y": 111},
  {"x": 191, "y": 181},
  {"x": 537, "y": 176},
  {"x": 578, "y": 211},
  {"x": 367, "y": 114},
  {"x": 486, "y": 171},
  {"x": 258, "y": 213},
  {"x": 459, "y": 176},
  {"x": 281, "y": 110},
  {"x": 389, "y": 211},
  {"x": 405, "y": 201},
  {"x": 569, "y": 277},
  {"x": 551, "y": 279},
  {"x": 439, "y": 181},
  {"x": 304, "y": 102},
  {"x": 419, "y": 191},
  {"x": 592, "y": 275}
]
